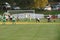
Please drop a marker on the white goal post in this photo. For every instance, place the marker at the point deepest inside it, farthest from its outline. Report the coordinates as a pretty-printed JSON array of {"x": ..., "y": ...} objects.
[
  {"x": 21, "y": 11},
  {"x": 25, "y": 14}
]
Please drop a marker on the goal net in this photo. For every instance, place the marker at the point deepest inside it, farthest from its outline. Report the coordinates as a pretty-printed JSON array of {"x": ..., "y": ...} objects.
[{"x": 23, "y": 13}]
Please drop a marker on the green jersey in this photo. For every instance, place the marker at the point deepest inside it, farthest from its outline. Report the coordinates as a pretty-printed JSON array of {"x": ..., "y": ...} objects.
[
  {"x": 4, "y": 19},
  {"x": 13, "y": 19}
]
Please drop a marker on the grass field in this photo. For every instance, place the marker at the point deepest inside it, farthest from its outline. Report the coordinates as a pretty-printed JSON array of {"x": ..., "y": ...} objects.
[
  {"x": 30, "y": 32},
  {"x": 26, "y": 30}
]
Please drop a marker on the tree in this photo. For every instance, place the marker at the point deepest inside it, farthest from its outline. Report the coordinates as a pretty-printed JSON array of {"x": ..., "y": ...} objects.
[
  {"x": 25, "y": 3},
  {"x": 9, "y": 1},
  {"x": 21, "y": 3},
  {"x": 40, "y": 3}
]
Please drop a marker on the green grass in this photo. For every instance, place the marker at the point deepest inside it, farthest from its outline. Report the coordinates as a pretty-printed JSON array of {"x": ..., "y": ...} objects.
[
  {"x": 39, "y": 11},
  {"x": 51, "y": 12},
  {"x": 34, "y": 20},
  {"x": 30, "y": 32},
  {"x": 48, "y": 12}
]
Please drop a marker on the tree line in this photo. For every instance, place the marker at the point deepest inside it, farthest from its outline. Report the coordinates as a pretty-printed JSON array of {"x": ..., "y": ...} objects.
[
  {"x": 24, "y": 3},
  {"x": 21, "y": 3}
]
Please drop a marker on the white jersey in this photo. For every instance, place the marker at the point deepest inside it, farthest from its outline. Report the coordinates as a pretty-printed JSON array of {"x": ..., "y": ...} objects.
[
  {"x": 13, "y": 18},
  {"x": 38, "y": 18},
  {"x": 48, "y": 17},
  {"x": 7, "y": 17},
  {"x": 10, "y": 16}
]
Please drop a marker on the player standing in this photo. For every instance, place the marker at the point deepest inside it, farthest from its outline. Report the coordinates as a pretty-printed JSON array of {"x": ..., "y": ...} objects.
[
  {"x": 13, "y": 19},
  {"x": 4, "y": 18},
  {"x": 37, "y": 20},
  {"x": 48, "y": 18}
]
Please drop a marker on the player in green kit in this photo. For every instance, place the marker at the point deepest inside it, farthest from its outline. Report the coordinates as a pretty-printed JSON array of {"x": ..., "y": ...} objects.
[
  {"x": 13, "y": 19},
  {"x": 4, "y": 18}
]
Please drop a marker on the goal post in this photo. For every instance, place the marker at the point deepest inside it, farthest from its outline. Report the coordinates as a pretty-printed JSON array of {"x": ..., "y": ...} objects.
[
  {"x": 29, "y": 14},
  {"x": 21, "y": 11},
  {"x": 26, "y": 14}
]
